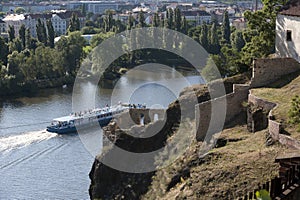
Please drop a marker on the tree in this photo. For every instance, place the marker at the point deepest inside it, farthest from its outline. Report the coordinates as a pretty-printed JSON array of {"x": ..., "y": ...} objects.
[
  {"x": 203, "y": 39},
  {"x": 184, "y": 26},
  {"x": 3, "y": 51},
  {"x": 156, "y": 21},
  {"x": 11, "y": 33},
  {"x": 130, "y": 22},
  {"x": 214, "y": 40},
  {"x": 108, "y": 21},
  {"x": 22, "y": 32},
  {"x": 238, "y": 41},
  {"x": 141, "y": 19},
  {"x": 226, "y": 28},
  {"x": 19, "y": 10},
  {"x": 177, "y": 19},
  {"x": 41, "y": 32},
  {"x": 170, "y": 19},
  {"x": 260, "y": 32},
  {"x": 74, "y": 24},
  {"x": 15, "y": 45},
  {"x": 51, "y": 34}
]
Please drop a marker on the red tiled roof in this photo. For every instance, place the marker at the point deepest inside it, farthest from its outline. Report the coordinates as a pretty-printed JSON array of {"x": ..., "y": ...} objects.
[{"x": 292, "y": 8}]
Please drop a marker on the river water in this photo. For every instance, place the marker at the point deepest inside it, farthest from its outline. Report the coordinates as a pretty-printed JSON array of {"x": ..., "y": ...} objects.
[{"x": 35, "y": 164}]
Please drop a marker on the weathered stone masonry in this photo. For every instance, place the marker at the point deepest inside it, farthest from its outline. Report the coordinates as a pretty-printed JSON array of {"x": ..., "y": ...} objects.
[{"x": 265, "y": 71}]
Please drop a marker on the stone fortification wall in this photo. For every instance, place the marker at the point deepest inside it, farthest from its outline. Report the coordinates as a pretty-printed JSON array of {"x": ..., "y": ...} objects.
[
  {"x": 234, "y": 107},
  {"x": 268, "y": 70},
  {"x": 133, "y": 117}
]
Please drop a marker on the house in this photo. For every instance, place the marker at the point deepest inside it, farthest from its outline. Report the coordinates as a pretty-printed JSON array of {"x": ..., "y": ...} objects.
[
  {"x": 197, "y": 16},
  {"x": 288, "y": 31},
  {"x": 60, "y": 21},
  {"x": 15, "y": 21},
  {"x": 2, "y": 26},
  {"x": 239, "y": 23}
]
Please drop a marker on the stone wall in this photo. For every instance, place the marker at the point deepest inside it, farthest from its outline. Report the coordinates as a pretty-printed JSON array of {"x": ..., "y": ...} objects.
[
  {"x": 274, "y": 128},
  {"x": 268, "y": 70},
  {"x": 133, "y": 117},
  {"x": 208, "y": 123}
]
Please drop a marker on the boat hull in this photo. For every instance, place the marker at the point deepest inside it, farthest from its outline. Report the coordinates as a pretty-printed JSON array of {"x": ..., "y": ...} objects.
[{"x": 73, "y": 129}]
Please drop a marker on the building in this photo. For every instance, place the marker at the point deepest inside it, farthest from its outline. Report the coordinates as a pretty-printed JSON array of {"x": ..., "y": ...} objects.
[
  {"x": 15, "y": 21},
  {"x": 288, "y": 31},
  {"x": 96, "y": 7},
  {"x": 2, "y": 26},
  {"x": 60, "y": 21},
  {"x": 239, "y": 23},
  {"x": 197, "y": 16}
]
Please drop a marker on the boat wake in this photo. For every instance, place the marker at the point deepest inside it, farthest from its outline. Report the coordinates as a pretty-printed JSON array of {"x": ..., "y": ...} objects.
[{"x": 19, "y": 141}]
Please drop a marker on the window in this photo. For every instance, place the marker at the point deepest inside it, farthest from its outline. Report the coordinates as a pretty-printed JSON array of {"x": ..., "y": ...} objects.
[{"x": 288, "y": 35}]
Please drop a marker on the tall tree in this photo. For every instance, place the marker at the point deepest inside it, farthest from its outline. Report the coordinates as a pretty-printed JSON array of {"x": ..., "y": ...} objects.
[
  {"x": 108, "y": 21},
  {"x": 203, "y": 38},
  {"x": 170, "y": 19},
  {"x": 141, "y": 18},
  {"x": 3, "y": 51},
  {"x": 51, "y": 34},
  {"x": 177, "y": 19},
  {"x": 260, "y": 32},
  {"x": 184, "y": 26},
  {"x": 214, "y": 40},
  {"x": 156, "y": 21},
  {"x": 22, "y": 32},
  {"x": 28, "y": 39},
  {"x": 11, "y": 33},
  {"x": 238, "y": 41},
  {"x": 226, "y": 28},
  {"x": 74, "y": 23},
  {"x": 130, "y": 22},
  {"x": 41, "y": 32}
]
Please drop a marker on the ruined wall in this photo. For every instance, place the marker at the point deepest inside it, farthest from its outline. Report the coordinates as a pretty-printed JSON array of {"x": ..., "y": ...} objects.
[
  {"x": 234, "y": 107},
  {"x": 133, "y": 117},
  {"x": 268, "y": 70},
  {"x": 274, "y": 128}
]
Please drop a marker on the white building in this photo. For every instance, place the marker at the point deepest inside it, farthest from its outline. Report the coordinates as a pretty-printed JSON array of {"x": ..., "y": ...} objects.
[
  {"x": 96, "y": 7},
  {"x": 2, "y": 26},
  {"x": 16, "y": 21},
  {"x": 197, "y": 16},
  {"x": 60, "y": 21},
  {"x": 288, "y": 32}
]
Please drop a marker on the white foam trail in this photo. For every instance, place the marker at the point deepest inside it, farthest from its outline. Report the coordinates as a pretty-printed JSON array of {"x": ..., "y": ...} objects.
[{"x": 23, "y": 140}]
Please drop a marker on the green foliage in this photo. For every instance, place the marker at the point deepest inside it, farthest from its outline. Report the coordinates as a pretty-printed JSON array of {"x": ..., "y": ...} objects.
[
  {"x": 210, "y": 72},
  {"x": 11, "y": 33},
  {"x": 141, "y": 19},
  {"x": 204, "y": 37},
  {"x": 262, "y": 195},
  {"x": 51, "y": 34},
  {"x": 294, "y": 112},
  {"x": 22, "y": 33},
  {"x": 41, "y": 32},
  {"x": 74, "y": 24},
  {"x": 226, "y": 28},
  {"x": 19, "y": 10},
  {"x": 260, "y": 33}
]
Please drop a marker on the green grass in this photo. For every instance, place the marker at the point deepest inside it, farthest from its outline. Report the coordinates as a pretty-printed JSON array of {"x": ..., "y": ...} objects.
[{"x": 283, "y": 97}]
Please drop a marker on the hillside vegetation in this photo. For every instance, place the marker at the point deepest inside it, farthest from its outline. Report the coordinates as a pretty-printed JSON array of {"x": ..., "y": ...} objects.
[{"x": 283, "y": 97}]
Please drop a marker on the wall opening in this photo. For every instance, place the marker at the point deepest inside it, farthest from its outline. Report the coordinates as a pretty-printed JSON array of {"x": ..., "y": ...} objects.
[{"x": 288, "y": 35}]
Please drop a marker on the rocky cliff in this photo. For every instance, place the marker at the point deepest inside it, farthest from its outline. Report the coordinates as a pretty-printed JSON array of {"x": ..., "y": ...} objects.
[{"x": 108, "y": 183}]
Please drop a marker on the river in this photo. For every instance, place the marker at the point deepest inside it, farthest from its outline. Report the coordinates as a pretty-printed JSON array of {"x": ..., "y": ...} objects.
[{"x": 35, "y": 164}]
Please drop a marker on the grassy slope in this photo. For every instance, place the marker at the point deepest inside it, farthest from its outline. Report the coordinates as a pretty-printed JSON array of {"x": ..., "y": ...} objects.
[
  {"x": 282, "y": 96},
  {"x": 230, "y": 171},
  {"x": 226, "y": 172}
]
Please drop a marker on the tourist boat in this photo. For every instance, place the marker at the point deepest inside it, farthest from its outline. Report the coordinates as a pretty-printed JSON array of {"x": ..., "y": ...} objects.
[{"x": 70, "y": 124}]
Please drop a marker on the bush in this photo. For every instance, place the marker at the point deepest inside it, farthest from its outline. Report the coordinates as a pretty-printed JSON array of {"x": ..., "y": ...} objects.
[{"x": 294, "y": 111}]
